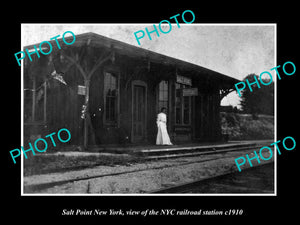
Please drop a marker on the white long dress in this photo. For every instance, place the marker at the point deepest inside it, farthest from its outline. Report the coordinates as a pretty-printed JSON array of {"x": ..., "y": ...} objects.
[{"x": 162, "y": 133}]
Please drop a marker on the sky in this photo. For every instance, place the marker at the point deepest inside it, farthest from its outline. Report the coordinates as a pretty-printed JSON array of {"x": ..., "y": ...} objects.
[{"x": 235, "y": 50}]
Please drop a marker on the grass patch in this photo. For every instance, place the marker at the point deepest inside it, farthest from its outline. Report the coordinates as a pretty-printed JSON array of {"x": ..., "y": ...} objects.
[{"x": 40, "y": 164}]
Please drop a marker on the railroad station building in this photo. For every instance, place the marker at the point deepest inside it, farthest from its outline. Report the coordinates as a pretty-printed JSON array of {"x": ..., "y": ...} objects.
[{"x": 108, "y": 92}]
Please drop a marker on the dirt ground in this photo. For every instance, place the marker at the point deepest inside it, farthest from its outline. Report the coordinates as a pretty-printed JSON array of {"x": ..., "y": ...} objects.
[{"x": 143, "y": 177}]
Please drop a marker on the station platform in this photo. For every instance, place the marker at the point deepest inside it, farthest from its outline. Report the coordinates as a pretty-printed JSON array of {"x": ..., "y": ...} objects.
[
  {"x": 152, "y": 150},
  {"x": 129, "y": 148}
]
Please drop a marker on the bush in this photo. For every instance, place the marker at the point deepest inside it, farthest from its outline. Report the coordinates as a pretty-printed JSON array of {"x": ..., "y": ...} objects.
[{"x": 245, "y": 127}]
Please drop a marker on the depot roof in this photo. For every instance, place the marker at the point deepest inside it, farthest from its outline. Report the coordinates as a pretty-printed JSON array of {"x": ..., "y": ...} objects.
[{"x": 96, "y": 40}]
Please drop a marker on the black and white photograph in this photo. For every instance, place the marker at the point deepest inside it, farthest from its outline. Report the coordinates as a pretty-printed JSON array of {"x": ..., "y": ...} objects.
[
  {"x": 132, "y": 113},
  {"x": 161, "y": 118}
]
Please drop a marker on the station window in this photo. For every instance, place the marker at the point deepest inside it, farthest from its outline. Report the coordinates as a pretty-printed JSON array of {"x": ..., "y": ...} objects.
[
  {"x": 182, "y": 106},
  {"x": 163, "y": 94},
  {"x": 110, "y": 97}
]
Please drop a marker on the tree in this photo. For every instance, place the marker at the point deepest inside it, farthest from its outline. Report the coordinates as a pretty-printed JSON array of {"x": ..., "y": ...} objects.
[{"x": 260, "y": 100}]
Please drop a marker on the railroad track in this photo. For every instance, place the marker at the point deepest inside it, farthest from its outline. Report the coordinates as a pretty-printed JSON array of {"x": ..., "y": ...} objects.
[
  {"x": 235, "y": 182},
  {"x": 192, "y": 153},
  {"x": 155, "y": 155},
  {"x": 176, "y": 152}
]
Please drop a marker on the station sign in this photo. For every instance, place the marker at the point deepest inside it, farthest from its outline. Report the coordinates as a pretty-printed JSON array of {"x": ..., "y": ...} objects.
[
  {"x": 81, "y": 90},
  {"x": 190, "y": 92},
  {"x": 184, "y": 80}
]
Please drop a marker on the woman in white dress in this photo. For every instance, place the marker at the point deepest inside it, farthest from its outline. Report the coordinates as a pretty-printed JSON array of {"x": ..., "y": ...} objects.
[{"x": 162, "y": 133}]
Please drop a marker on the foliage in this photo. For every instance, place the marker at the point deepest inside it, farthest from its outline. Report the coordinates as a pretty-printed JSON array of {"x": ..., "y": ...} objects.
[
  {"x": 244, "y": 127},
  {"x": 260, "y": 100}
]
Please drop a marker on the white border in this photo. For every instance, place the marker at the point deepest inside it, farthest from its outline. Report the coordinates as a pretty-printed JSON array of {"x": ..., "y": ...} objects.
[
  {"x": 22, "y": 113},
  {"x": 151, "y": 195}
]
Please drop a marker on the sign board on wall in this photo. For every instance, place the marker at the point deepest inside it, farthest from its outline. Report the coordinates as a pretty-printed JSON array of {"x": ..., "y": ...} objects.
[
  {"x": 190, "y": 92},
  {"x": 184, "y": 80},
  {"x": 81, "y": 90}
]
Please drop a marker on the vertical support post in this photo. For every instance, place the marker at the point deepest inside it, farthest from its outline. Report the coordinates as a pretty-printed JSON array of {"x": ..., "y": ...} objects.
[
  {"x": 45, "y": 101},
  {"x": 119, "y": 100},
  {"x": 87, "y": 77},
  {"x": 218, "y": 105},
  {"x": 170, "y": 118},
  {"x": 86, "y": 102},
  {"x": 201, "y": 116},
  {"x": 193, "y": 118},
  {"x": 33, "y": 99}
]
